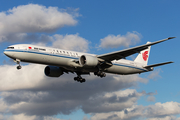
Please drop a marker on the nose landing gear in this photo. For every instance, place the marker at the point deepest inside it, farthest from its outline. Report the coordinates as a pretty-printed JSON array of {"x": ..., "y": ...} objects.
[
  {"x": 18, "y": 62},
  {"x": 19, "y": 67}
]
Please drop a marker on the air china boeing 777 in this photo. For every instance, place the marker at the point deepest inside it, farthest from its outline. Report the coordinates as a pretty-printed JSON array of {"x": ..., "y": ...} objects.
[{"x": 63, "y": 61}]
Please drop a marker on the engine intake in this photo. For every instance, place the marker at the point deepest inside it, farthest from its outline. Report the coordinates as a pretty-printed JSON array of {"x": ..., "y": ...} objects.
[
  {"x": 89, "y": 61},
  {"x": 53, "y": 71}
]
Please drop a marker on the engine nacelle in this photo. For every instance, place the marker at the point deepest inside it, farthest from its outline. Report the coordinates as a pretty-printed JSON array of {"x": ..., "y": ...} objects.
[
  {"x": 53, "y": 71},
  {"x": 87, "y": 60}
]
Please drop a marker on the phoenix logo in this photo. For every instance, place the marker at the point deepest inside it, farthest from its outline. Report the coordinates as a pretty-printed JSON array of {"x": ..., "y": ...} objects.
[{"x": 145, "y": 56}]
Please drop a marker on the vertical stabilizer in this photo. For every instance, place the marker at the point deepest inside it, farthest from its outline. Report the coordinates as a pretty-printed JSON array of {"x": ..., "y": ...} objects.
[{"x": 143, "y": 56}]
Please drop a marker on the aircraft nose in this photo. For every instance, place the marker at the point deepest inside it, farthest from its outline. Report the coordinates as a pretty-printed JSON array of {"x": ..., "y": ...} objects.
[
  {"x": 5, "y": 53},
  {"x": 9, "y": 54}
]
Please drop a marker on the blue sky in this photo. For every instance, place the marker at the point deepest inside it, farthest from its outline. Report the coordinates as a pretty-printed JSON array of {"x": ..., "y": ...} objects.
[{"x": 89, "y": 23}]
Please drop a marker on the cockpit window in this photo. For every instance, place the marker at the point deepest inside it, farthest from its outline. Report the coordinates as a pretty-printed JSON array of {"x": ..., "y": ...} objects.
[{"x": 10, "y": 48}]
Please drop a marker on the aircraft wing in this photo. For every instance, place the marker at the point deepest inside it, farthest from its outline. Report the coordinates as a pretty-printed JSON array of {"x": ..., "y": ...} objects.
[{"x": 127, "y": 52}]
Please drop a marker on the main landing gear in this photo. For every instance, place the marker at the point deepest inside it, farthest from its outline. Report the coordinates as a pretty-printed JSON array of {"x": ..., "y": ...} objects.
[
  {"x": 79, "y": 79},
  {"x": 18, "y": 62},
  {"x": 100, "y": 74}
]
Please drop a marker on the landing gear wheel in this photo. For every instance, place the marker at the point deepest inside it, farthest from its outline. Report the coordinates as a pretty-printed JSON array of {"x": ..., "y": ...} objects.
[
  {"x": 19, "y": 67},
  {"x": 83, "y": 80},
  {"x": 100, "y": 74},
  {"x": 95, "y": 73},
  {"x": 79, "y": 79},
  {"x": 75, "y": 78}
]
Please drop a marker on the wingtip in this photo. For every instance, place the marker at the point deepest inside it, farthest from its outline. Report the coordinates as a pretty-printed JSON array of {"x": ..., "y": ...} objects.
[{"x": 171, "y": 38}]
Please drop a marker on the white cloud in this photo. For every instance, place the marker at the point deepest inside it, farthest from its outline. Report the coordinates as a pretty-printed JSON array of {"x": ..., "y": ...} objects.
[
  {"x": 165, "y": 118},
  {"x": 28, "y": 77},
  {"x": 33, "y": 117},
  {"x": 159, "y": 111},
  {"x": 71, "y": 42},
  {"x": 151, "y": 99},
  {"x": 155, "y": 74},
  {"x": 112, "y": 41},
  {"x": 22, "y": 117},
  {"x": 120, "y": 115},
  {"x": 51, "y": 118},
  {"x": 3, "y": 106},
  {"x": 2, "y": 117},
  {"x": 28, "y": 91},
  {"x": 33, "y": 18},
  {"x": 111, "y": 101},
  {"x": 163, "y": 109}
]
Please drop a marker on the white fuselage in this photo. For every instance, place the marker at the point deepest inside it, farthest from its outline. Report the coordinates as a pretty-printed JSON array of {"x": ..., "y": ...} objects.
[{"x": 67, "y": 59}]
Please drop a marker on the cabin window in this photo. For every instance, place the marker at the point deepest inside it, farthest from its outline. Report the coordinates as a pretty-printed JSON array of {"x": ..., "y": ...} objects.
[{"x": 10, "y": 48}]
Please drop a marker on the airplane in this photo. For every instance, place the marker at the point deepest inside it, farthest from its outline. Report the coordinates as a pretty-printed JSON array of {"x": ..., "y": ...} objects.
[{"x": 61, "y": 61}]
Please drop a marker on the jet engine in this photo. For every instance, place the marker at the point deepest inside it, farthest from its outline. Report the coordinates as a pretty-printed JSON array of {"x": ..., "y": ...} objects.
[
  {"x": 53, "y": 71},
  {"x": 89, "y": 61}
]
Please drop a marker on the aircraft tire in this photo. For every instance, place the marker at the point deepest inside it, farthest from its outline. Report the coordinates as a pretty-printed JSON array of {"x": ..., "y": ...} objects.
[
  {"x": 83, "y": 80},
  {"x": 95, "y": 73},
  {"x": 19, "y": 67},
  {"x": 75, "y": 78}
]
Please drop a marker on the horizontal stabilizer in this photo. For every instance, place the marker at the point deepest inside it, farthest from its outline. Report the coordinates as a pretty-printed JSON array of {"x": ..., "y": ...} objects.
[{"x": 159, "y": 64}]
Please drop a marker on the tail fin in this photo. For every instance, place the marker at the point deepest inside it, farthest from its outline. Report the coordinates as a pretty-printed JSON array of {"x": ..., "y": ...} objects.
[{"x": 143, "y": 56}]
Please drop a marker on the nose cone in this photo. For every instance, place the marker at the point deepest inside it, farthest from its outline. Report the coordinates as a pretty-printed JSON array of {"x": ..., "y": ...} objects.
[
  {"x": 9, "y": 54},
  {"x": 5, "y": 52}
]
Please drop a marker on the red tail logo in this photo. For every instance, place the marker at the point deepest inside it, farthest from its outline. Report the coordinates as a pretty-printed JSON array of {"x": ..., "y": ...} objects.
[{"x": 145, "y": 56}]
